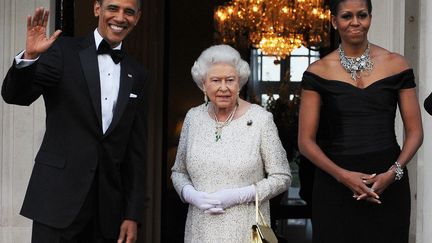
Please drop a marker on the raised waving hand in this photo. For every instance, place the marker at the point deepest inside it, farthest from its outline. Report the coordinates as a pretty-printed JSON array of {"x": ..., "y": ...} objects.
[{"x": 37, "y": 41}]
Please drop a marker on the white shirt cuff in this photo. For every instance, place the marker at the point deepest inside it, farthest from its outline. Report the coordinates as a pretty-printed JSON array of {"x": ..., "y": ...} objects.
[{"x": 22, "y": 63}]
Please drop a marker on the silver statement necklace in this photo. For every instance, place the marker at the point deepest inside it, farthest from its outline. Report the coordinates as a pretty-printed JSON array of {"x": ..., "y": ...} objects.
[
  {"x": 220, "y": 125},
  {"x": 356, "y": 65}
]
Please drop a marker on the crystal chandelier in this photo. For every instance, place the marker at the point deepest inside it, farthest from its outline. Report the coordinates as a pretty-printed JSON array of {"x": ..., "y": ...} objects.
[{"x": 277, "y": 27}]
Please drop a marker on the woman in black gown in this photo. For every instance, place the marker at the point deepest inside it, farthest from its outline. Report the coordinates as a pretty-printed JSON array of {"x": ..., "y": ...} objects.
[{"x": 361, "y": 189}]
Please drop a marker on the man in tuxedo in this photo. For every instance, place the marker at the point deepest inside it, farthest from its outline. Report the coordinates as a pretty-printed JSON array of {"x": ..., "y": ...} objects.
[{"x": 87, "y": 183}]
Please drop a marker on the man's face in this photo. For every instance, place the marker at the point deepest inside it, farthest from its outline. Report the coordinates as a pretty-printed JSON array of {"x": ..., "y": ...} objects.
[{"x": 116, "y": 19}]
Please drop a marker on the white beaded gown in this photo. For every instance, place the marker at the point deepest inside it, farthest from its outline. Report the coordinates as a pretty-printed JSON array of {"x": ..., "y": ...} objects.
[{"x": 249, "y": 152}]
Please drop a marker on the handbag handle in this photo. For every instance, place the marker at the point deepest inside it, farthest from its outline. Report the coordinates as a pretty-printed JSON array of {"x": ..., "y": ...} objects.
[{"x": 258, "y": 213}]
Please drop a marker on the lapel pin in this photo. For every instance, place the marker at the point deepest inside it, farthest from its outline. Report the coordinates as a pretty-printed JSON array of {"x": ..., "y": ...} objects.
[
  {"x": 129, "y": 75},
  {"x": 249, "y": 123}
]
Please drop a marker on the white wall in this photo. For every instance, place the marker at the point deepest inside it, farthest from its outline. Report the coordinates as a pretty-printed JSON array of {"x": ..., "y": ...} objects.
[
  {"x": 424, "y": 219},
  {"x": 21, "y": 128},
  {"x": 412, "y": 54}
]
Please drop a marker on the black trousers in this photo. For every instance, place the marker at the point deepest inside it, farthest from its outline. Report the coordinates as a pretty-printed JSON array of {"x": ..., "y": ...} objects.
[{"x": 84, "y": 229}]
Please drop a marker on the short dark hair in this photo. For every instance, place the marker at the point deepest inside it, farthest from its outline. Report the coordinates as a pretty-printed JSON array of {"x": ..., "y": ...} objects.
[
  {"x": 139, "y": 3},
  {"x": 334, "y": 6}
]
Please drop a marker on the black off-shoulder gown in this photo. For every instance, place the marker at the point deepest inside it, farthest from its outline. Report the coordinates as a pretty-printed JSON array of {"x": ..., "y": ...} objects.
[{"x": 360, "y": 137}]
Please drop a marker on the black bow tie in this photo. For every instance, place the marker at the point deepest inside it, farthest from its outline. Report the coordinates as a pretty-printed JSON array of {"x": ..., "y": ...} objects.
[{"x": 116, "y": 55}]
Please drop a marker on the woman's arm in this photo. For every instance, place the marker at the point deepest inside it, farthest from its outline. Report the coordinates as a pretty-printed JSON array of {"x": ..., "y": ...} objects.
[
  {"x": 180, "y": 176},
  {"x": 308, "y": 126},
  {"x": 410, "y": 112},
  {"x": 275, "y": 162}
]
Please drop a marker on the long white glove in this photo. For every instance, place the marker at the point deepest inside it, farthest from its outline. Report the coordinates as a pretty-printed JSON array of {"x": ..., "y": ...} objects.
[
  {"x": 199, "y": 199},
  {"x": 232, "y": 197}
]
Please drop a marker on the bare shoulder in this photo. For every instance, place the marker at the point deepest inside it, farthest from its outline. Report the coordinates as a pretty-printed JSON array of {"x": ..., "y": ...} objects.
[
  {"x": 322, "y": 66},
  {"x": 391, "y": 61},
  {"x": 398, "y": 62}
]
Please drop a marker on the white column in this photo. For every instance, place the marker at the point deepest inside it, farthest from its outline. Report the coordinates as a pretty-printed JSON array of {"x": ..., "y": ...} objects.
[
  {"x": 412, "y": 55},
  {"x": 424, "y": 219},
  {"x": 387, "y": 29},
  {"x": 21, "y": 128}
]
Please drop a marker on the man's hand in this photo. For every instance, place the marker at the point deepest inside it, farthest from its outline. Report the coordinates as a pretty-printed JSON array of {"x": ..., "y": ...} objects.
[
  {"x": 128, "y": 232},
  {"x": 36, "y": 40}
]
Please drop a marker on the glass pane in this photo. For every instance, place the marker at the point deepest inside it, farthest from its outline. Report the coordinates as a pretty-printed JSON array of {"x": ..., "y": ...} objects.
[
  {"x": 265, "y": 99},
  {"x": 300, "y": 51},
  {"x": 314, "y": 53},
  {"x": 270, "y": 71},
  {"x": 298, "y": 66}
]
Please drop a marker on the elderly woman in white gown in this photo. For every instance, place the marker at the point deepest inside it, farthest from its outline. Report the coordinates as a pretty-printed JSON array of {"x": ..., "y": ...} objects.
[{"x": 229, "y": 150}]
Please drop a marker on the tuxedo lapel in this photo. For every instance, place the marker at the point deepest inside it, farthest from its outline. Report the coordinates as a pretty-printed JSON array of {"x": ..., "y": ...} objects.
[
  {"x": 89, "y": 64},
  {"x": 126, "y": 81}
]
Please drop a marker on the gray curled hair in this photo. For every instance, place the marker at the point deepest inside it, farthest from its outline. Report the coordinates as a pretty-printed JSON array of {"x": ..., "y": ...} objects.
[{"x": 219, "y": 54}]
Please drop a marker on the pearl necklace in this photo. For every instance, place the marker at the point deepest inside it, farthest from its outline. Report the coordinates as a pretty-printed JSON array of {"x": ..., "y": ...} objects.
[
  {"x": 356, "y": 65},
  {"x": 220, "y": 125}
]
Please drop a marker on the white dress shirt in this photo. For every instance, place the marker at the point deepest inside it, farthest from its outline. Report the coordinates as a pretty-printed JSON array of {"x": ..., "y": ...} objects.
[
  {"x": 22, "y": 63},
  {"x": 109, "y": 74}
]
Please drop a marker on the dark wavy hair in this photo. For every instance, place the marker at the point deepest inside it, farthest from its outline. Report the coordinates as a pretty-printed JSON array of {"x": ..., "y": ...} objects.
[{"x": 334, "y": 6}]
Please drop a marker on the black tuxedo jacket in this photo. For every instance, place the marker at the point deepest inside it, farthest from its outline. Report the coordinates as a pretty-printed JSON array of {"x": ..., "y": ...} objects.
[
  {"x": 428, "y": 104},
  {"x": 74, "y": 147}
]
